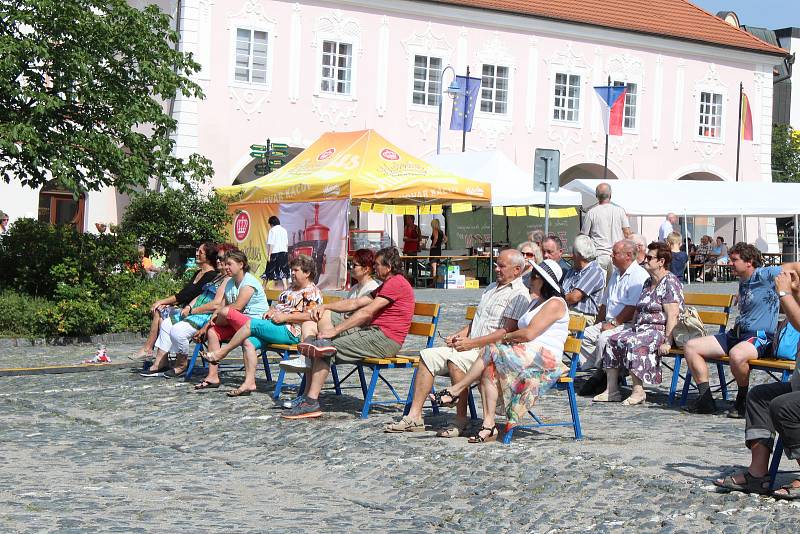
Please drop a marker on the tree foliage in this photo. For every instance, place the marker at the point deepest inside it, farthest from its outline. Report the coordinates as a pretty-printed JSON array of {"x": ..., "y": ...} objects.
[
  {"x": 83, "y": 85},
  {"x": 785, "y": 154},
  {"x": 175, "y": 219}
]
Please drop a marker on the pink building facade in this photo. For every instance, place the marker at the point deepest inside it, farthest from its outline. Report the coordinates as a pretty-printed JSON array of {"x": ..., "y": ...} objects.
[{"x": 289, "y": 71}]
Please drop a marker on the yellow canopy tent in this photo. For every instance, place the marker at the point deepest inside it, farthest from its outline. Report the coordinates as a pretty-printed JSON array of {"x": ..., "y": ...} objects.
[{"x": 359, "y": 165}]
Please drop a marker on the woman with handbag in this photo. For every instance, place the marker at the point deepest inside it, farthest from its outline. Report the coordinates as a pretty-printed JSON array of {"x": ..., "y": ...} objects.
[{"x": 640, "y": 348}]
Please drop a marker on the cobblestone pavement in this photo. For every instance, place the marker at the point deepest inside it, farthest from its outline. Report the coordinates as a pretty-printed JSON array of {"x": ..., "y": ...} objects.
[{"x": 113, "y": 452}]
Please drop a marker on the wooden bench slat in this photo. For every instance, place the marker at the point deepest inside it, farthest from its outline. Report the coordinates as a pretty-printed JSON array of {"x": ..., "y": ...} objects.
[
  {"x": 572, "y": 345},
  {"x": 577, "y": 323},
  {"x": 471, "y": 310},
  {"x": 426, "y": 309},
  {"x": 713, "y": 317},
  {"x": 773, "y": 363},
  {"x": 421, "y": 329},
  {"x": 708, "y": 299}
]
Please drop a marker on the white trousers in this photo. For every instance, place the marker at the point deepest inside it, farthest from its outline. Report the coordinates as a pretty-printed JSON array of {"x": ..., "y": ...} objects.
[
  {"x": 163, "y": 341},
  {"x": 594, "y": 345},
  {"x": 181, "y": 337}
]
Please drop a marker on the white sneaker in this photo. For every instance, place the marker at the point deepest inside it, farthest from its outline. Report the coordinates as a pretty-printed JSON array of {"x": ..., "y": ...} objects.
[{"x": 296, "y": 365}]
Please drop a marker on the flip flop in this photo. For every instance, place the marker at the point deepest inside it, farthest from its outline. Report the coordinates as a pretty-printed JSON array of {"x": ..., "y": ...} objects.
[
  {"x": 752, "y": 484},
  {"x": 238, "y": 393},
  {"x": 207, "y": 385}
]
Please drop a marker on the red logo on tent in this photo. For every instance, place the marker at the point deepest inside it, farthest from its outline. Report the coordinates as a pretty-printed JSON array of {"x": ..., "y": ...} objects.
[
  {"x": 389, "y": 154},
  {"x": 326, "y": 154},
  {"x": 241, "y": 226}
]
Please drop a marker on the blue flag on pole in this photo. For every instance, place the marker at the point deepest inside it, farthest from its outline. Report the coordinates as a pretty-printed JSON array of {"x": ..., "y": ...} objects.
[{"x": 457, "y": 118}]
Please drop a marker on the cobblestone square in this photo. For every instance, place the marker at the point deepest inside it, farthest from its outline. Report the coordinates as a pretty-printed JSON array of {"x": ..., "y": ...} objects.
[{"x": 113, "y": 452}]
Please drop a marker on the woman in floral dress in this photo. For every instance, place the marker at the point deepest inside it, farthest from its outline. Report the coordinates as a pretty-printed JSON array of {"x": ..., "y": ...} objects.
[{"x": 640, "y": 348}]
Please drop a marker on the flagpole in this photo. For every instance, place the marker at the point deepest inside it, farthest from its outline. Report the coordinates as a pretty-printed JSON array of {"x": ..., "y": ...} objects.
[
  {"x": 605, "y": 161},
  {"x": 738, "y": 151},
  {"x": 466, "y": 108}
]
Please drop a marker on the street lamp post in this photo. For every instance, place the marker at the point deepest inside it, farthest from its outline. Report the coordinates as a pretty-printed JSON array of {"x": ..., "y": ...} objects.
[{"x": 454, "y": 89}]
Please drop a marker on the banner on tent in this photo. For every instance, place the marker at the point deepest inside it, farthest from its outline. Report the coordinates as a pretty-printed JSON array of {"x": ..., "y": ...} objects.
[{"x": 317, "y": 229}]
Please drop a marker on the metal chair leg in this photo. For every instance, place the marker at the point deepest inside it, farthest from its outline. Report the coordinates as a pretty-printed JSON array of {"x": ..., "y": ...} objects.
[
  {"x": 775, "y": 463},
  {"x": 376, "y": 373}
]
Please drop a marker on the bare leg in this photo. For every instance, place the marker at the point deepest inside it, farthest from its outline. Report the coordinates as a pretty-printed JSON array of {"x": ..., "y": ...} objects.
[
  {"x": 161, "y": 360},
  {"x": 308, "y": 330},
  {"x": 250, "y": 364},
  {"x": 456, "y": 375},
  {"x": 739, "y": 354},
  {"x": 422, "y": 386},
  {"x": 759, "y": 463},
  {"x": 181, "y": 362},
  {"x": 155, "y": 324},
  {"x": 213, "y": 346},
  {"x": 325, "y": 322},
  {"x": 696, "y": 351},
  {"x": 319, "y": 372},
  {"x": 638, "y": 389},
  {"x": 238, "y": 338},
  {"x": 488, "y": 387},
  {"x": 472, "y": 376}
]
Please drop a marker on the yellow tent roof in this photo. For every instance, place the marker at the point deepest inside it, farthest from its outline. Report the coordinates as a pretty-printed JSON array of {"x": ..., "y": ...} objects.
[{"x": 359, "y": 165}]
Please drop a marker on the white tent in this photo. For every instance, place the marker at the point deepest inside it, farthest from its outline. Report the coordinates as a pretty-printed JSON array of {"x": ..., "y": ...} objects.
[
  {"x": 511, "y": 186},
  {"x": 687, "y": 197}
]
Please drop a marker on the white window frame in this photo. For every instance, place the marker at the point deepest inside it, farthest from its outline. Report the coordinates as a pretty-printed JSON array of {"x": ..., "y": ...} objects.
[
  {"x": 493, "y": 114},
  {"x": 696, "y": 125},
  {"x": 355, "y": 52},
  {"x": 621, "y": 80},
  {"x": 582, "y": 103},
  {"x": 411, "y": 73},
  {"x": 270, "y": 31}
]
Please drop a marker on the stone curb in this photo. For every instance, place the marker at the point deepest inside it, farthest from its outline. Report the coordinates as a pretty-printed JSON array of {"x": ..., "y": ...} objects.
[{"x": 102, "y": 339}]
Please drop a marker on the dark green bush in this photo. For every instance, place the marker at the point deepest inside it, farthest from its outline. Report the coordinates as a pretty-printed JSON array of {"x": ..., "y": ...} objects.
[
  {"x": 73, "y": 318},
  {"x": 17, "y": 312},
  {"x": 129, "y": 298}
]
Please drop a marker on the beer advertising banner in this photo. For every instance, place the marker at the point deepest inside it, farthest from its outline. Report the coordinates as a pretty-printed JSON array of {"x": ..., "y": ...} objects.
[{"x": 316, "y": 229}]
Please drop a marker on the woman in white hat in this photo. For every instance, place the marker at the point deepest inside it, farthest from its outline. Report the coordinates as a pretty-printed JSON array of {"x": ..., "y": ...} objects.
[{"x": 527, "y": 362}]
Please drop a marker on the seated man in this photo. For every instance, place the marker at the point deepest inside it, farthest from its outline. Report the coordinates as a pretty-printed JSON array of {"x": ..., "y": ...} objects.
[
  {"x": 553, "y": 249},
  {"x": 751, "y": 335},
  {"x": 584, "y": 283},
  {"x": 501, "y": 305},
  {"x": 375, "y": 325},
  {"x": 772, "y": 408},
  {"x": 620, "y": 300}
]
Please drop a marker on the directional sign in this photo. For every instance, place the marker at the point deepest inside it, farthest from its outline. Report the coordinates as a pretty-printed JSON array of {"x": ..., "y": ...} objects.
[
  {"x": 275, "y": 163},
  {"x": 257, "y": 154},
  {"x": 278, "y": 153},
  {"x": 279, "y": 146},
  {"x": 261, "y": 168},
  {"x": 258, "y": 148}
]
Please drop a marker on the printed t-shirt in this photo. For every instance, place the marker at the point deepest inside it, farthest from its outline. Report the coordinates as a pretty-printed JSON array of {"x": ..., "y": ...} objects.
[
  {"x": 758, "y": 302},
  {"x": 394, "y": 320},
  {"x": 257, "y": 305}
]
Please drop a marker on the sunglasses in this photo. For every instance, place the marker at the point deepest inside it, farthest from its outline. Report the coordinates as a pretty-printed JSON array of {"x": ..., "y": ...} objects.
[
  {"x": 529, "y": 254},
  {"x": 649, "y": 257}
]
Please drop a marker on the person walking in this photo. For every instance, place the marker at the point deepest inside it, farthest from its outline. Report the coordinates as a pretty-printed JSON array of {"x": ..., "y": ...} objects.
[
  {"x": 605, "y": 224},
  {"x": 278, "y": 253}
]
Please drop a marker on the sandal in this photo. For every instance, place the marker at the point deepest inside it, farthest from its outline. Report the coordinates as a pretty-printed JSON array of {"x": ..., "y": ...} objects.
[
  {"x": 792, "y": 492},
  {"x": 752, "y": 484},
  {"x": 452, "y": 430},
  {"x": 477, "y": 438},
  {"x": 238, "y": 392},
  {"x": 406, "y": 424},
  {"x": 207, "y": 385},
  {"x": 437, "y": 398},
  {"x": 204, "y": 356}
]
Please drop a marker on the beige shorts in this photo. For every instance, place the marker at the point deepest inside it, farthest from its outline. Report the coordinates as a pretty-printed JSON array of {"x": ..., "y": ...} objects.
[{"x": 436, "y": 359}]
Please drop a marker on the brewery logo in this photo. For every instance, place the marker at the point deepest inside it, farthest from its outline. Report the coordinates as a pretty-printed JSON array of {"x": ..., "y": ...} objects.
[
  {"x": 241, "y": 226},
  {"x": 326, "y": 154},
  {"x": 389, "y": 154}
]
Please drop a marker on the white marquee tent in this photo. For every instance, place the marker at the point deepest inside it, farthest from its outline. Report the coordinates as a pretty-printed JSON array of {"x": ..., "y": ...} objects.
[{"x": 511, "y": 186}]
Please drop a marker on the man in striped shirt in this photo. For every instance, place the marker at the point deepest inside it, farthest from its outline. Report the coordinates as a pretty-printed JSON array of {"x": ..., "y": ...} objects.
[{"x": 584, "y": 283}]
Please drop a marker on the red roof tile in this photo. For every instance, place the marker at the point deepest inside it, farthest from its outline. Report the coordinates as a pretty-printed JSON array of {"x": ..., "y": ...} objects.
[{"x": 678, "y": 19}]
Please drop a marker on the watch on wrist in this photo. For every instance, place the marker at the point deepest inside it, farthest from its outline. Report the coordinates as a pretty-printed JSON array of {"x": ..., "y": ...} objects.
[
  {"x": 613, "y": 322},
  {"x": 782, "y": 294}
]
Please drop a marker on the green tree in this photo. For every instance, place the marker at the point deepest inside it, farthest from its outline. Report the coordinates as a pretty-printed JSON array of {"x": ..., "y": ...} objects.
[
  {"x": 175, "y": 219},
  {"x": 83, "y": 86},
  {"x": 785, "y": 154}
]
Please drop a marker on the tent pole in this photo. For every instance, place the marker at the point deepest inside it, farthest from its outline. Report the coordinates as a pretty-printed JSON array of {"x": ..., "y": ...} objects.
[
  {"x": 686, "y": 240},
  {"x": 491, "y": 244},
  {"x": 744, "y": 231}
]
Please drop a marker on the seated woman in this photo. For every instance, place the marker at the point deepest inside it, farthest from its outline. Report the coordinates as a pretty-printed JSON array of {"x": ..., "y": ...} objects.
[
  {"x": 772, "y": 408},
  {"x": 526, "y": 362},
  {"x": 362, "y": 268},
  {"x": 717, "y": 256},
  {"x": 244, "y": 299},
  {"x": 206, "y": 255},
  {"x": 177, "y": 338},
  {"x": 281, "y": 324},
  {"x": 640, "y": 348}
]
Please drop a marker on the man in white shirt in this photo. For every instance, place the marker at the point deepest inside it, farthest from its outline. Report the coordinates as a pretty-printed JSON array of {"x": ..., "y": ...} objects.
[
  {"x": 620, "y": 299},
  {"x": 605, "y": 224},
  {"x": 277, "y": 252},
  {"x": 667, "y": 227}
]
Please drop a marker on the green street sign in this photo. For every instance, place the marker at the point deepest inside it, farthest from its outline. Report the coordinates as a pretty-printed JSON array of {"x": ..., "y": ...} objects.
[
  {"x": 278, "y": 153},
  {"x": 280, "y": 146},
  {"x": 258, "y": 148},
  {"x": 261, "y": 168},
  {"x": 255, "y": 154},
  {"x": 275, "y": 163}
]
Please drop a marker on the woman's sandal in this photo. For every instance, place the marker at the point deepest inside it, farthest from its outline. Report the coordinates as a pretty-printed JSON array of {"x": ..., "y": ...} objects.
[
  {"x": 437, "y": 398},
  {"x": 204, "y": 356},
  {"x": 477, "y": 438},
  {"x": 791, "y": 492},
  {"x": 207, "y": 385},
  {"x": 752, "y": 484},
  {"x": 238, "y": 392}
]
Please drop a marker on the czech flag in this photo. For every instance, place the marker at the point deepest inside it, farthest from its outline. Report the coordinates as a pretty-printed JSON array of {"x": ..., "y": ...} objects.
[
  {"x": 613, "y": 101},
  {"x": 746, "y": 127}
]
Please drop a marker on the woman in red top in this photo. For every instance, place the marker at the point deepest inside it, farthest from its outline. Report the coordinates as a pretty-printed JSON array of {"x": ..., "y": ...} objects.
[{"x": 411, "y": 236}]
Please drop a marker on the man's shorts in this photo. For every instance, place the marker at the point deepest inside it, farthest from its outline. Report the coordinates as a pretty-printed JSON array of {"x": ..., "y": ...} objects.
[
  {"x": 759, "y": 339},
  {"x": 436, "y": 359},
  {"x": 355, "y": 344}
]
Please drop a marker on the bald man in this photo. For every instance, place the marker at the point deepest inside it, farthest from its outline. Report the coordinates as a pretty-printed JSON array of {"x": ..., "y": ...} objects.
[
  {"x": 667, "y": 227},
  {"x": 605, "y": 224}
]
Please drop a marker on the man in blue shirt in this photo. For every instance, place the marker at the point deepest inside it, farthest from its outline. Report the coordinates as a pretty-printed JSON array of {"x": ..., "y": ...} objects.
[{"x": 751, "y": 335}]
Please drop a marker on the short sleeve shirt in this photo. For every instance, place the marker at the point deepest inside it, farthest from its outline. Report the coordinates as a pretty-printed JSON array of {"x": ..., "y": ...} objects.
[
  {"x": 359, "y": 290},
  {"x": 603, "y": 224},
  {"x": 394, "y": 320},
  {"x": 758, "y": 302},
  {"x": 257, "y": 305},
  {"x": 279, "y": 239},
  {"x": 298, "y": 301},
  {"x": 624, "y": 289},
  {"x": 498, "y": 303},
  {"x": 591, "y": 281},
  {"x": 664, "y": 230}
]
